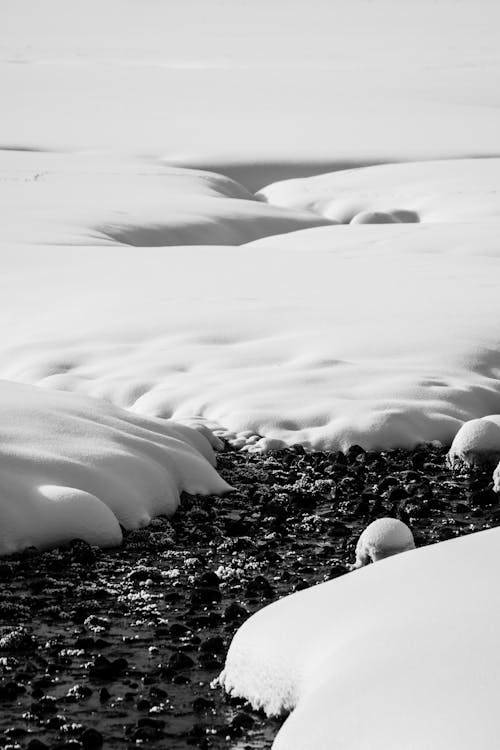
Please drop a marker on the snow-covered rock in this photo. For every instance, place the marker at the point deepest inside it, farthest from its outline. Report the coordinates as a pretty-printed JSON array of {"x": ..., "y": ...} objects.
[
  {"x": 401, "y": 654},
  {"x": 73, "y": 466},
  {"x": 382, "y": 538},
  {"x": 477, "y": 442}
]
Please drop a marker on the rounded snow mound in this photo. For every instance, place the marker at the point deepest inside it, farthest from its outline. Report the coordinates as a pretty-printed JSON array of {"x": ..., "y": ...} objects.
[
  {"x": 383, "y": 538},
  {"x": 355, "y": 657},
  {"x": 477, "y": 442},
  {"x": 458, "y": 190},
  {"x": 76, "y": 467},
  {"x": 83, "y": 199}
]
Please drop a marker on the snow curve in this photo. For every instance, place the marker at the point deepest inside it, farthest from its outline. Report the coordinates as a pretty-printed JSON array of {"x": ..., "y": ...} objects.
[{"x": 76, "y": 467}]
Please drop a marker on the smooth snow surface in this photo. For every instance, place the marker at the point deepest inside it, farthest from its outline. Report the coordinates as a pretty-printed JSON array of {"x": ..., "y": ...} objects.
[
  {"x": 401, "y": 655},
  {"x": 229, "y": 84},
  {"x": 383, "y": 538},
  {"x": 75, "y": 467}
]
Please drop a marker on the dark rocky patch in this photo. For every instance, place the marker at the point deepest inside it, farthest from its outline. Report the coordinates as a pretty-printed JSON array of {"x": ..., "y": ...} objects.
[{"x": 117, "y": 648}]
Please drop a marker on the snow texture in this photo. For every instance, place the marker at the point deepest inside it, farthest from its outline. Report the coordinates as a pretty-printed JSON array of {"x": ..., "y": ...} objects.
[
  {"x": 76, "y": 467},
  {"x": 339, "y": 337},
  {"x": 401, "y": 654},
  {"x": 176, "y": 184},
  {"x": 382, "y": 538}
]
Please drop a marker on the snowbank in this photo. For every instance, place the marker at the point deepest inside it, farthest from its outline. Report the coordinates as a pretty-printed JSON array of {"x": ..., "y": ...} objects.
[
  {"x": 75, "y": 467},
  {"x": 401, "y": 654},
  {"x": 348, "y": 338},
  {"x": 462, "y": 190},
  {"x": 99, "y": 199}
]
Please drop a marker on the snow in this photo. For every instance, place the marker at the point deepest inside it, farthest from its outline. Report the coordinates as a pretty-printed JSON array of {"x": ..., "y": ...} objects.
[
  {"x": 76, "y": 467},
  {"x": 231, "y": 84},
  {"x": 477, "y": 442},
  {"x": 382, "y": 538},
  {"x": 175, "y": 182},
  {"x": 91, "y": 199},
  {"x": 342, "y": 338},
  {"x": 398, "y": 654},
  {"x": 464, "y": 190}
]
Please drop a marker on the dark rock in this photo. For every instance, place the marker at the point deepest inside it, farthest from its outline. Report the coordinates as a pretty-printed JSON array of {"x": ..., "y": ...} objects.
[
  {"x": 242, "y": 720},
  {"x": 37, "y": 745},
  {"x": 205, "y": 596},
  {"x": 214, "y": 645},
  {"x": 259, "y": 586},
  {"x": 91, "y": 739},
  {"x": 235, "y": 612},
  {"x": 179, "y": 661},
  {"x": 104, "y": 695},
  {"x": 177, "y": 630},
  {"x": 208, "y": 580},
  {"x": 201, "y": 705},
  {"x": 354, "y": 452}
]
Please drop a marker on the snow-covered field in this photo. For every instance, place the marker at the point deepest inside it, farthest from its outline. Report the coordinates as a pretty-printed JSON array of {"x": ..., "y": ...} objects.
[
  {"x": 281, "y": 219},
  {"x": 133, "y": 272}
]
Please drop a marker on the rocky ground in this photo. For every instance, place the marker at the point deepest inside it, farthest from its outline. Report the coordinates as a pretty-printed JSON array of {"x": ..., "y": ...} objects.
[{"x": 119, "y": 647}]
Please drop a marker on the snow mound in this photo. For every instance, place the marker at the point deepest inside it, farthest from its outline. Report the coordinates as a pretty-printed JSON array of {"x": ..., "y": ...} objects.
[
  {"x": 335, "y": 338},
  {"x": 398, "y": 654},
  {"x": 383, "y": 538},
  {"x": 477, "y": 442},
  {"x": 72, "y": 466},
  {"x": 460, "y": 190},
  {"x": 98, "y": 199}
]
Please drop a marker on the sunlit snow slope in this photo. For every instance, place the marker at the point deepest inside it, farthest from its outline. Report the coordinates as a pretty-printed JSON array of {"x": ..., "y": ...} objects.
[
  {"x": 75, "y": 467},
  {"x": 400, "y": 654}
]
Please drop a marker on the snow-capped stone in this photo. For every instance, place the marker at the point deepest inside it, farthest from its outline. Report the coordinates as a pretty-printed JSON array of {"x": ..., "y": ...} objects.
[
  {"x": 382, "y": 538},
  {"x": 477, "y": 442}
]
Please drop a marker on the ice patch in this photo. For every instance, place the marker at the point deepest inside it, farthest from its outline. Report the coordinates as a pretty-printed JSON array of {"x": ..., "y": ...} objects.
[
  {"x": 76, "y": 467},
  {"x": 401, "y": 653}
]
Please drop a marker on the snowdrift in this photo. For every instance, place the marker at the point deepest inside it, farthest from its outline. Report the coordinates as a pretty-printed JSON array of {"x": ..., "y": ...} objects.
[
  {"x": 75, "y": 467},
  {"x": 477, "y": 442},
  {"x": 400, "y": 654},
  {"x": 99, "y": 199},
  {"x": 462, "y": 190},
  {"x": 384, "y": 336}
]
